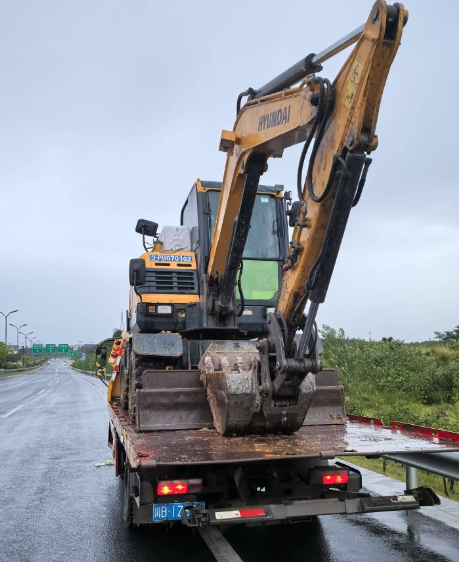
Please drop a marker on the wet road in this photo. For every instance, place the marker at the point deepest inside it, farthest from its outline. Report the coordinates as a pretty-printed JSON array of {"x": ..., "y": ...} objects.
[{"x": 55, "y": 505}]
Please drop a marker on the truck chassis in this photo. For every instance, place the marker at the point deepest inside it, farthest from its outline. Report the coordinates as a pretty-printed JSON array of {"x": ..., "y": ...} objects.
[{"x": 260, "y": 479}]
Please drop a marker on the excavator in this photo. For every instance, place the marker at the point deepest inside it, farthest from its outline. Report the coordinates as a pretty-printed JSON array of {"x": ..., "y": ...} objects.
[
  {"x": 220, "y": 408},
  {"x": 216, "y": 303}
]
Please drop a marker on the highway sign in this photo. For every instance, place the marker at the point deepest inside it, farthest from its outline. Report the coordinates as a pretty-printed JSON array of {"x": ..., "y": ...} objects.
[
  {"x": 50, "y": 348},
  {"x": 37, "y": 348},
  {"x": 83, "y": 356},
  {"x": 63, "y": 348},
  {"x": 73, "y": 353}
]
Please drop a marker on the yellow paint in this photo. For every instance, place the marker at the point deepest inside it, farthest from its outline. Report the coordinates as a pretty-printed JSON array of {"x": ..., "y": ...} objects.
[
  {"x": 169, "y": 299},
  {"x": 199, "y": 187}
]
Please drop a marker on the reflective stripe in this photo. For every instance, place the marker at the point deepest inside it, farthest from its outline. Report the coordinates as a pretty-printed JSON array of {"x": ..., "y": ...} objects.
[{"x": 238, "y": 513}]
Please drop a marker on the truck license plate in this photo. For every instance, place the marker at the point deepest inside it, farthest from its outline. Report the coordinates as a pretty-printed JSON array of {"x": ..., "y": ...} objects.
[{"x": 170, "y": 511}]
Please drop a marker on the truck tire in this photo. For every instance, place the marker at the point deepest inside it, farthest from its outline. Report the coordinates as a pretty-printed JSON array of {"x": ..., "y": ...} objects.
[{"x": 128, "y": 506}]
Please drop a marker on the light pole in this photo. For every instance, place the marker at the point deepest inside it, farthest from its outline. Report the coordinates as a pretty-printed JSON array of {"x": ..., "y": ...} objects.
[
  {"x": 6, "y": 324},
  {"x": 17, "y": 334},
  {"x": 32, "y": 341},
  {"x": 25, "y": 345}
]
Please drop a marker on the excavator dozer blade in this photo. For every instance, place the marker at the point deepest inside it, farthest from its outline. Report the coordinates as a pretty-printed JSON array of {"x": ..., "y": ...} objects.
[{"x": 172, "y": 400}]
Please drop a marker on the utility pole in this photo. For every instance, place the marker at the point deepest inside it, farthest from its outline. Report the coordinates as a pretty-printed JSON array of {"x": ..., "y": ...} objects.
[
  {"x": 17, "y": 335},
  {"x": 6, "y": 324}
]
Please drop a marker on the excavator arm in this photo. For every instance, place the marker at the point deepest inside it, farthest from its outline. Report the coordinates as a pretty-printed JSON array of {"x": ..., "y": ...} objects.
[
  {"x": 269, "y": 385},
  {"x": 341, "y": 117}
]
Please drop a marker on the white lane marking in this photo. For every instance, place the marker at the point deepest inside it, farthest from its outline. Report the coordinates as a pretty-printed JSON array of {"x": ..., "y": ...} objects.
[
  {"x": 218, "y": 545},
  {"x": 41, "y": 392},
  {"x": 12, "y": 412}
]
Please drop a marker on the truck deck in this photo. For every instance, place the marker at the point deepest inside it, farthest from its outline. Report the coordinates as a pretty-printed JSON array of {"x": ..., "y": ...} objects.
[{"x": 359, "y": 436}]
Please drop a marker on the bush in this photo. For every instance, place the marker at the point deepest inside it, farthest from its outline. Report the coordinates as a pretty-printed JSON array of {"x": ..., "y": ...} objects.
[{"x": 391, "y": 366}]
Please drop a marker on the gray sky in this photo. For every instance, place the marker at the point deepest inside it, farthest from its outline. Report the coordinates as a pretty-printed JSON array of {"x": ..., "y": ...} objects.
[{"x": 111, "y": 109}]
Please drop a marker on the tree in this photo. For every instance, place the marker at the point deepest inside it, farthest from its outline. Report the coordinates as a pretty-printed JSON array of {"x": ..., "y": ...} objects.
[
  {"x": 3, "y": 352},
  {"x": 117, "y": 333},
  {"x": 449, "y": 336}
]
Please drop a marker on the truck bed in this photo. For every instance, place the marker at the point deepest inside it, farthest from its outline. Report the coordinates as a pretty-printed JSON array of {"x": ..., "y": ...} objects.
[{"x": 359, "y": 436}]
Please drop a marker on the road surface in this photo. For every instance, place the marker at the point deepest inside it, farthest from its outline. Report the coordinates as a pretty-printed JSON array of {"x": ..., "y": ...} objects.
[{"x": 57, "y": 506}]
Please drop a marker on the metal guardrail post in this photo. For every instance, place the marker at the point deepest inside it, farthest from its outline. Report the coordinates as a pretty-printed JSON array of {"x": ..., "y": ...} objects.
[
  {"x": 443, "y": 464},
  {"x": 411, "y": 478}
]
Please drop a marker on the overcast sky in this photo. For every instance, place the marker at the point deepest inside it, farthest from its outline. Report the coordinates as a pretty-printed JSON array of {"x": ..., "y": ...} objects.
[{"x": 111, "y": 109}]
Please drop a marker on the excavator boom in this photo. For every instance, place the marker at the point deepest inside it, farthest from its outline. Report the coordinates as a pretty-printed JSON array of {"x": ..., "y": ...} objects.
[{"x": 342, "y": 117}]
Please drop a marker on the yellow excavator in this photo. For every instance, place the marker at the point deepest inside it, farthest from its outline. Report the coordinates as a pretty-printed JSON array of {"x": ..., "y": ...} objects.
[{"x": 218, "y": 302}]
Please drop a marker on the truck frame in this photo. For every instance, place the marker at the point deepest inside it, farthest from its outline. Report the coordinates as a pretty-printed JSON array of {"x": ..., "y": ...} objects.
[{"x": 261, "y": 479}]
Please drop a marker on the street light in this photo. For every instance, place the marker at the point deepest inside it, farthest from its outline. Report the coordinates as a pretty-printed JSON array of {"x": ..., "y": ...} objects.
[
  {"x": 6, "y": 324},
  {"x": 32, "y": 341},
  {"x": 17, "y": 334},
  {"x": 25, "y": 345}
]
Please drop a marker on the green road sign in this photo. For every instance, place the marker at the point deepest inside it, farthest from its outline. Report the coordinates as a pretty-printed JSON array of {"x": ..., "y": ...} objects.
[
  {"x": 73, "y": 354},
  {"x": 50, "y": 348},
  {"x": 63, "y": 348},
  {"x": 37, "y": 348}
]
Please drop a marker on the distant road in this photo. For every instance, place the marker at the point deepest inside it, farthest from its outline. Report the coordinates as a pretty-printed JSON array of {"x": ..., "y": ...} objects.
[{"x": 56, "y": 506}]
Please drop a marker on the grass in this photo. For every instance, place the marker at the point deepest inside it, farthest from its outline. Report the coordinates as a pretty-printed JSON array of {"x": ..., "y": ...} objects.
[
  {"x": 19, "y": 371},
  {"x": 415, "y": 383},
  {"x": 441, "y": 486}
]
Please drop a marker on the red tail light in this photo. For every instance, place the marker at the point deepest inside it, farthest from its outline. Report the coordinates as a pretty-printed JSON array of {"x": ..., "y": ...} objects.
[
  {"x": 170, "y": 487},
  {"x": 329, "y": 476},
  {"x": 328, "y": 479}
]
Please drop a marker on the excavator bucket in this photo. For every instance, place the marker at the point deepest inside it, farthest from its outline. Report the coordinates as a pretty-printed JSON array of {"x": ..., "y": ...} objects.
[{"x": 229, "y": 373}]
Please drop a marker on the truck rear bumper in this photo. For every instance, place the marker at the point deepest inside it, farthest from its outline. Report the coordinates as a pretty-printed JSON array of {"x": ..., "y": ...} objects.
[{"x": 295, "y": 510}]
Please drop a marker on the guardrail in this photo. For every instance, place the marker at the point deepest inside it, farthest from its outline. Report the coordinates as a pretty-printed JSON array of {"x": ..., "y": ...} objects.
[
  {"x": 442, "y": 464},
  {"x": 22, "y": 369},
  {"x": 92, "y": 374}
]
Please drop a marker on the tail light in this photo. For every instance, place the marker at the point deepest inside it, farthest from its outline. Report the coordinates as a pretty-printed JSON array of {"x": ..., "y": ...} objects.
[
  {"x": 329, "y": 476},
  {"x": 171, "y": 487}
]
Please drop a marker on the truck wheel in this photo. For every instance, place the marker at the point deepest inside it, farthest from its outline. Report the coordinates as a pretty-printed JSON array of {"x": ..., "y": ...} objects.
[{"x": 128, "y": 509}]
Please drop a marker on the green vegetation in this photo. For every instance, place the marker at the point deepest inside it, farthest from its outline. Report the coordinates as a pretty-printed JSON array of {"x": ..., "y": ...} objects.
[
  {"x": 88, "y": 364},
  {"x": 3, "y": 352},
  {"x": 415, "y": 383}
]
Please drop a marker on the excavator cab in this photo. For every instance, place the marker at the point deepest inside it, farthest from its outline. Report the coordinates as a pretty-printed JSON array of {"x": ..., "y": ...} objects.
[{"x": 265, "y": 251}]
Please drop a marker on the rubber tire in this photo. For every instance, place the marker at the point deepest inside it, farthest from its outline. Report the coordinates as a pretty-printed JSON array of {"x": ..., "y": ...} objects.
[{"x": 128, "y": 504}]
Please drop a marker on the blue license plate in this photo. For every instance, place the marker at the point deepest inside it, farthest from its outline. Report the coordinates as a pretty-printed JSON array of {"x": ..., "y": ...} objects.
[{"x": 170, "y": 511}]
